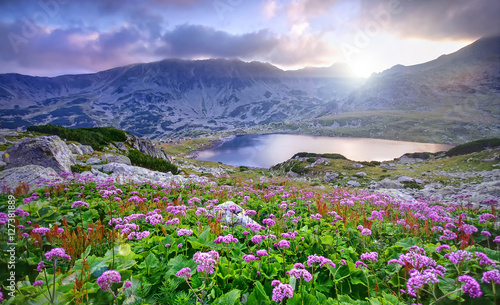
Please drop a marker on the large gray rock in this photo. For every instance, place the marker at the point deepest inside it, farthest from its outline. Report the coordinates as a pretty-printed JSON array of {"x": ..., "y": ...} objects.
[
  {"x": 29, "y": 174},
  {"x": 2, "y": 140},
  {"x": 75, "y": 149},
  {"x": 147, "y": 147},
  {"x": 123, "y": 173},
  {"x": 329, "y": 176},
  {"x": 233, "y": 216},
  {"x": 121, "y": 146},
  {"x": 47, "y": 151},
  {"x": 86, "y": 149},
  {"x": 8, "y": 133},
  {"x": 387, "y": 184},
  {"x": 116, "y": 159}
]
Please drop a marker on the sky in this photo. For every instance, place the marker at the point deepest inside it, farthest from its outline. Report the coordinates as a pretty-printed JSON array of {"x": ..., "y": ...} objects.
[{"x": 54, "y": 37}]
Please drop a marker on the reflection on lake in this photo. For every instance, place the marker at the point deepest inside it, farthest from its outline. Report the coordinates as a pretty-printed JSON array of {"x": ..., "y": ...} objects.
[{"x": 270, "y": 149}]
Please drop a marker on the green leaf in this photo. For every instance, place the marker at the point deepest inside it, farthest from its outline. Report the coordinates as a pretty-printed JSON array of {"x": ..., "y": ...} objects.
[
  {"x": 310, "y": 299},
  {"x": 447, "y": 285},
  {"x": 408, "y": 242},
  {"x": 152, "y": 261},
  {"x": 258, "y": 296},
  {"x": 327, "y": 240},
  {"x": 229, "y": 298}
]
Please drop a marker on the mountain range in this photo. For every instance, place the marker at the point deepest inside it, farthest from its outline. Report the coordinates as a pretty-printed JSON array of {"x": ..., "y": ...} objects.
[{"x": 455, "y": 97}]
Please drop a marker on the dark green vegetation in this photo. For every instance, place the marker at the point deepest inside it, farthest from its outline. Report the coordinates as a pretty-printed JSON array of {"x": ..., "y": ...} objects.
[
  {"x": 313, "y": 155},
  {"x": 78, "y": 168},
  {"x": 140, "y": 159},
  {"x": 97, "y": 137},
  {"x": 473, "y": 146}
]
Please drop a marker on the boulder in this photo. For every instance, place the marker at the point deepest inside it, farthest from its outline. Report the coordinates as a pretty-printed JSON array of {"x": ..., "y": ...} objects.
[
  {"x": 93, "y": 160},
  {"x": 86, "y": 149},
  {"x": 75, "y": 149},
  {"x": 147, "y": 147},
  {"x": 353, "y": 183},
  {"x": 121, "y": 146},
  {"x": 116, "y": 159},
  {"x": 329, "y": 176},
  {"x": 46, "y": 151},
  {"x": 8, "y": 133},
  {"x": 235, "y": 216},
  {"x": 123, "y": 173},
  {"x": 403, "y": 179},
  {"x": 361, "y": 174},
  {"x": 29, "y": 174},
  {"x": 387, "y": 184},
  {"x": 2, "y": 140}
]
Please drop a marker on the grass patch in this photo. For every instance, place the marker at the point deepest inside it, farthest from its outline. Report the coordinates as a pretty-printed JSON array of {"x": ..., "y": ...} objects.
[
  {"x": 140, "y": 159},
  {"x": 474, "y": 146},
  {"x": 97, "y": 137}
]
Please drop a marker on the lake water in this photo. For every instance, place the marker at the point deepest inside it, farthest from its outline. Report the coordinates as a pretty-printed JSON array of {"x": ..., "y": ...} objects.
[{"x": 264, "y": 151}]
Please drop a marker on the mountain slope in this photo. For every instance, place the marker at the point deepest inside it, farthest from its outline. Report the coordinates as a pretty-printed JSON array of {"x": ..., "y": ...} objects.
[{"x": 170, "y": 96}]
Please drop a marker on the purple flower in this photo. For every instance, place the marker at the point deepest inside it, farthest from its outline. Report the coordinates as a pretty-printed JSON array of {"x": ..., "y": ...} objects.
[
  {"x": 297, "y": 273},
  {"x": 492, "y": 275},
  {"x": 40, "y": 266},
  {"x": 366, "y": 232},
  {"x": 179, "y": 245},
  {"x": 282, "y": 291},
  {"x": 127, "y": 284},
  {"x": 206, "y": 261},
  {"x": 184, "y": 232},
  {"x": 250, "y": 212},
  {"x": 441, "y": 247},
  {"x": 107, "y": 278},
  {"x": 269, "y": 222},
  {"x": 79, "y": 204},
  {"x": 447, "y": 234},
  {"x": 184, "y": 272},
  {"x": 37, "y": 283},
  {"x": 262, "y": 253},
  {"x": 360, "y": 263},
  {"x": 417, "y": 280},
  {"x": 41, "y": 230},
  {"x": 471, "y": 286},
  {"x": 249, "y": 257},
  {"x": 459, "y": 256},
  {"x": 57, "y": 253},
  {"x": 484, "y": 259},
  {"x": 497, "y": 239},
  {"x": 311, "y": 259},
  {"x": 370, "y": 256},
  {"x": 486, "y": 233},
  {"x": 256, "y": 239},
  {"x": 283, "y": 244}
]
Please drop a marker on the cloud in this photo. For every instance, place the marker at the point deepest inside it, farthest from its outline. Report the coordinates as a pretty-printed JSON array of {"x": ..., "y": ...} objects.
[
  {"x": 270, "y": 9},
  {"x": 203, "y": 41},
  {"x": 436, "y": 20}
]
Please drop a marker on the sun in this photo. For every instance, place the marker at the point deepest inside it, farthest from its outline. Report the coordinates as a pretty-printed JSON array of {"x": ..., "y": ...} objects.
[{"x": 363, "y": 66}]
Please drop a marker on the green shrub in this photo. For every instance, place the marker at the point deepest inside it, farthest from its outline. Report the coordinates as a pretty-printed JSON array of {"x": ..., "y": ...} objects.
[
  {"x": 97, "y": 137},
  {"x": 313, "y": 155},
  {"x": 77, "y": 168},
  {"x": 473, "y": 146},
  {"x": 140, "y": 159},
  {"x": 412, "y": 185},
  {"x": 299, "y": 168},
  {"x": 243, "y": 168}
]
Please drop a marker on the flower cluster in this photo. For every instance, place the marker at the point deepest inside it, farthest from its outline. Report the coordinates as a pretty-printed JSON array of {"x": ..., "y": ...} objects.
[
  {"x": 311, "y": 259},
  {"x": 370, "y": 256},
  {"x": 492, "y": 275},
  {"x": 79, "y": 204},
  {"x": 418, "y": 279},
  {"x": 184, "y": 272},
  {"x": 229, "y": 238},
  {"x": 57, "y": 253},
  {"x": 300, "y": 272},
  {"x": 471, "y": 286},
  {"x": 107, "y": 278},
  {"x": 281, "y": 291},
  {"x": 184, "y": 232},
  {"x": 459, "y": 256},
  {"x": 206, "y": 261},
  {"x": 249, "y": 257}
]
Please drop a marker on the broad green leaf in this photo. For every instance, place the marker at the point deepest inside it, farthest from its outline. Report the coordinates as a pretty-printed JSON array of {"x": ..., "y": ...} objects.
[
  {"x": 447, "y": 286},
  {"x": 327, "y": 240},
  {"x": 230, "y": 298}
]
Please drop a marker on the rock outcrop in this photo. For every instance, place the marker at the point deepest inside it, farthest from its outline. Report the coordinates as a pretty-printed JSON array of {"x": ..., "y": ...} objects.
[
  {"x": 147, "y": 147},
  {"x": 29, "y": 174},
  {"x": 75, "y": 149},
  {"x": 46, "y": 151},
  {"x": 116, "y": 159},
  {"x": 232, "y": 214}
]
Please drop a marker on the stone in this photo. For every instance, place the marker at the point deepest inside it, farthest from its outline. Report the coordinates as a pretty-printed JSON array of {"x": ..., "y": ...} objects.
[
  {"x": 357, "y": 165},
  {"x": 116, "y": 159},
  {"x": 403, "y": 179},
  {"x": 233, "y": 218},
  {"x": 86, "y": 149},
  {"x": 147, "y": 147},
  {"x": 329, "y": 176},
  {"x": 121, "y": 146},
  {"x": 361, "y": 174},
  {"x": 46, "y": 151},
  {"x": 2, "y": 140},
  {"x": 353, "y": 183},
  {"x": 2, "y": 163},
  {"x": 92, "y": 160},
  {"x": 29, "y": 174},
  {"x": 387, "y": 184},
  {"x": 75, "y": 149},
  {"x": 387, "y": 166},
  {"x": 8, "y": 133},
  {"x": 123, "y": 173}
]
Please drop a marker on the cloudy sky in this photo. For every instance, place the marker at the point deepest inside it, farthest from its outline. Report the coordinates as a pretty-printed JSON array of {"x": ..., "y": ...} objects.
[{"x": 53, "y": 37}]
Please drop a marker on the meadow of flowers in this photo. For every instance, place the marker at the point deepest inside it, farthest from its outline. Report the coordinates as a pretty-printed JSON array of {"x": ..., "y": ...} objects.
[{"x": 82, "y": 241}]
